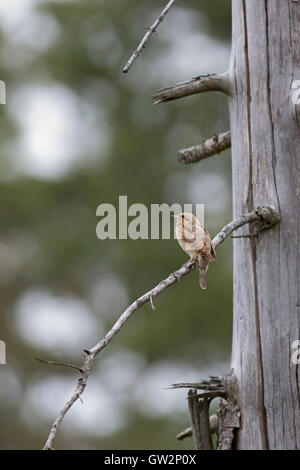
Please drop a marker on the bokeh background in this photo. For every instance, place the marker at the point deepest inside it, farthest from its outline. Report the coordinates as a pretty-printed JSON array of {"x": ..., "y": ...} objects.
[{"x": 75, "y": 133}]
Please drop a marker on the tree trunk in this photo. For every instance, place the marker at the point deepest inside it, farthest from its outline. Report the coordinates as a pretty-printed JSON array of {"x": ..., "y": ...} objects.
[{"x": 266, "y": 172}]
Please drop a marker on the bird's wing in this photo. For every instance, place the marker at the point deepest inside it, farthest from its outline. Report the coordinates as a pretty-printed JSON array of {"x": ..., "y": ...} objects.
[
  {"x": 194, "y": 237},
  {"x": 208, "y": 249}
]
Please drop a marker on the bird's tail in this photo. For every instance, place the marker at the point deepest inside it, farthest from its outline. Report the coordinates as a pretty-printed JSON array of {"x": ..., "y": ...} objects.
[
  {"x": 202, "y": 278},
  {"x": 203, "y": 266}
]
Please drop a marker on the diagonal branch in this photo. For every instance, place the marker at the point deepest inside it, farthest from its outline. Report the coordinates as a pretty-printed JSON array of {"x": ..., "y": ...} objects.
[
  {"x": 201, "y": 84},
  {"x": 266, "y": 215},
  {"x": 216, "y": 144},
  {"x": 148, "y": 35}
]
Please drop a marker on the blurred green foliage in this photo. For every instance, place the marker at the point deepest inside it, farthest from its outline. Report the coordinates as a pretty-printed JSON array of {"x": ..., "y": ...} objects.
[{"x": 59, "y": 215}]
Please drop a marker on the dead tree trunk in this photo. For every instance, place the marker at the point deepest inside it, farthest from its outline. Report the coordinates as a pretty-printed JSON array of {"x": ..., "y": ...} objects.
[{"x": 266, "y": 171}]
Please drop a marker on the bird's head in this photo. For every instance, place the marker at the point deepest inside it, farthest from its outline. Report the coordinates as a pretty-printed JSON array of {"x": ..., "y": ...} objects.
[{"x": 186, "y": 218}]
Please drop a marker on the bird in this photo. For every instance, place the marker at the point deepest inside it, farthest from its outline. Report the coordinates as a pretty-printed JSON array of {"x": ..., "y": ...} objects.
[{"x": 195, "y": 240}]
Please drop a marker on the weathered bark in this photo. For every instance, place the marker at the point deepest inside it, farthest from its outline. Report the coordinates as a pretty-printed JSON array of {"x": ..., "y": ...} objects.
[
  {"x": 199, "y": 412},
  {"x": 266, "y": 169},
  {"x": 216, "y": 144}
]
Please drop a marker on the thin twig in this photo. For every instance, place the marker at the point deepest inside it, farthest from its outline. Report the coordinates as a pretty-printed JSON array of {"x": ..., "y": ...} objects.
[
  {"x": 148, "y": 35},
  {"x": 216, "y": 144},
  {"x": 212, "y": 384},
  {"x": 267, "y": 215},
  {"x": 209, "y": 389},
  {"x": 199, "y": 386},
  {"x": 201, "y": 84},
  {"x": 65, "y": 364}
]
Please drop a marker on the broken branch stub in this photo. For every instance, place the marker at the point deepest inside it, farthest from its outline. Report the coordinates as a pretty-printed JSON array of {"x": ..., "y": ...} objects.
[
  {"x": 216, "y": 144},
  {"x": 199, "y": 413},
  {"x": 201, "y": 84}
]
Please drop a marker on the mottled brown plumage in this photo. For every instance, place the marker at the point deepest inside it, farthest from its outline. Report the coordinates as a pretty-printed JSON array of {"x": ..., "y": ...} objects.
[{"x": 195, "y": 240}]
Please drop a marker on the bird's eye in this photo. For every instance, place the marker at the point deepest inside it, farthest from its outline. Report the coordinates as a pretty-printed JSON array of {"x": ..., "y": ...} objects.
[{"x": 182, "y": 216}]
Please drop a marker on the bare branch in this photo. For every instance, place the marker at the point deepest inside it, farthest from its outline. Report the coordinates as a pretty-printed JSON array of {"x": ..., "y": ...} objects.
[
  {"x": 65, "y": 364},
  {"x": 91, "y": 354},
  {"x": 172, "y": 279},
  {"x": 216, "y": 144},
  {"x": 81, "y": 384},
  {"x": 209, "y": 388},
  {"x": 211, "y": 385},
  {"x": 201, "y": 84},
  {"x": 148, "y": 35},
  {"x": 266, "y": 215}
]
